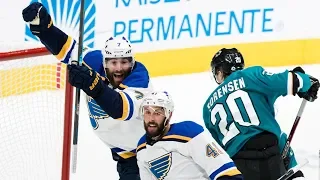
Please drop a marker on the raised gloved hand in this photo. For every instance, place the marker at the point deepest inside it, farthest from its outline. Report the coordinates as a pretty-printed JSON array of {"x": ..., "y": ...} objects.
[
  {"x": 312, "y": 92},
  {"x": 86, "y": 79},
  {"x": 38, "y": 17}
]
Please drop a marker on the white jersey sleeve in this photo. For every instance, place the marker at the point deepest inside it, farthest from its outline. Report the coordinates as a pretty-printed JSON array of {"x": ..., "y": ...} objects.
[
  {"x": 132, "y": 98},
  {"x": 208, "y": 154}
]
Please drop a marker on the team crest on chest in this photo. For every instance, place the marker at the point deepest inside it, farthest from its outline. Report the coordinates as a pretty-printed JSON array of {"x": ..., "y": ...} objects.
[{"x": 161, "y": 166}]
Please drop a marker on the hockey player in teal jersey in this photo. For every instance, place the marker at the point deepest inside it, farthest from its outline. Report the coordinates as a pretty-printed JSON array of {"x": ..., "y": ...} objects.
[{"x": 240, "y": 114}]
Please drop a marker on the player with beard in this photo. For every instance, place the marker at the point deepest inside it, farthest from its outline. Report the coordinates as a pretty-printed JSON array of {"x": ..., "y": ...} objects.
[
  {"x": 113, "y": 81},
  {"x": 178, "y": 151}
]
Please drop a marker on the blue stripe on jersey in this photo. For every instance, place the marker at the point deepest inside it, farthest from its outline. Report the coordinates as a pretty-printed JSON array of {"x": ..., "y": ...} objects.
[
  {"x": 222, "y": 169},
  {"x": 142, "y": 140},
  {"x": 124, "y": 153},
  {"x": 139, "y": 77},
  {"x": 117, "y": 150},
  {"x": 188, "y": 129},
  {"x": 94, "y": 59},
  {"x": 127, "y": 107}
]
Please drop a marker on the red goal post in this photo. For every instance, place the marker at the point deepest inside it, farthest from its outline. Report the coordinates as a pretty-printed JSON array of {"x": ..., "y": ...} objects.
[{"x": 35, "y": 113}]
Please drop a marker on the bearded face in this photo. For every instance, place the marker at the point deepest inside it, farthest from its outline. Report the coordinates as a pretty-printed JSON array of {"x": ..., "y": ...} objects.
[
  {"x": 117, "y": 70},
  {"x": 154, "y": 118}
]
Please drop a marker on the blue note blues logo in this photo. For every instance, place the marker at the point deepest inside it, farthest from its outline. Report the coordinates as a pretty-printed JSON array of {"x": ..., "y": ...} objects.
[
  {"x": 96, "y": 113},
  {"x": 66, "y": 16},
  {"x": 161, "y": 166}
]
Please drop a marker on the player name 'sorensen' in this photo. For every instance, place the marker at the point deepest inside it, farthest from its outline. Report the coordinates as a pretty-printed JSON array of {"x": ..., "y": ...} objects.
[{"x": 227, "y": 88}]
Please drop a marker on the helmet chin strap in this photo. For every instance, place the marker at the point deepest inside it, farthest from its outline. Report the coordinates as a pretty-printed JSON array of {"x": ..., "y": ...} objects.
[{"x": 215, "y": 78}]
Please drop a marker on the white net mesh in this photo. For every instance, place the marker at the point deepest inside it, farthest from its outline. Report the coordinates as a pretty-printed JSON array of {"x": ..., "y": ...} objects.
[{"x": 32, "y": 101}]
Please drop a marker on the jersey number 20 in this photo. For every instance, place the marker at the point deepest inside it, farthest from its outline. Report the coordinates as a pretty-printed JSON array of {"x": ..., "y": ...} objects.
[{"x": 236, "y": 113}]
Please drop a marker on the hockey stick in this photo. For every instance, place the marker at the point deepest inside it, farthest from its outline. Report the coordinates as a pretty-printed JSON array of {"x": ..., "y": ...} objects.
[
  {"x": 292, "y": 171},
  {"x": 77, "y": 99},
  {"x": 293, "y": 129}
]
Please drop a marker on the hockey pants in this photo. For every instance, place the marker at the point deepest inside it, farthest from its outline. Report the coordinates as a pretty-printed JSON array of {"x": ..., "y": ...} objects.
[
  {"x": 127, "y": 168},
  {"x": 260, "y": 158}
]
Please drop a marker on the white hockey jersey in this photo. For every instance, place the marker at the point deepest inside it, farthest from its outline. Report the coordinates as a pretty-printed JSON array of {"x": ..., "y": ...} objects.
[
  {"x": 186, "y": 152},
  {"x": 121, "y": 134}
]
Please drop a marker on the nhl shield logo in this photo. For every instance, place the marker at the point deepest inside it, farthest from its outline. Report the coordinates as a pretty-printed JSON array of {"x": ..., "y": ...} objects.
[{"x": 161, "y": 166}]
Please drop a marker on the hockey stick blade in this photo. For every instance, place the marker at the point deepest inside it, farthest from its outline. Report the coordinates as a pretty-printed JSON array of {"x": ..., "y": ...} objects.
[
  {"x": 293, "y": 170},
  {"x": 293, "y": 129}
]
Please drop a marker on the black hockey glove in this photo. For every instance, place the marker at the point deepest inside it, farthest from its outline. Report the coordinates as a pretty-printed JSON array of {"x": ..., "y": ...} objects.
[
  {"x": 295, "y": 175},
  {"x": 311, "y": 94},
  {"x": 86, "y": 79},
  {"x": 38, "y": 17}
]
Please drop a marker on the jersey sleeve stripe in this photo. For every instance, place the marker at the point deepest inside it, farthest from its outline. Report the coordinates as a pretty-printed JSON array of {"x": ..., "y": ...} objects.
[
  {"x": 300, "y": 82},
  {"x": 123, "y": 153},
  {"x": 141, "y": 146},
  {"x": 126, "y": 155},
  {"x": 127, "y": 106},
  {"x": 290, "y": 84},
  {"x": 228, "y": 169},
  {"x": 65, "y": 52},
  {"x": 294, "y": 79},
  {"x": 122, "y": 86},
  {"x": 178, "y": 138}
]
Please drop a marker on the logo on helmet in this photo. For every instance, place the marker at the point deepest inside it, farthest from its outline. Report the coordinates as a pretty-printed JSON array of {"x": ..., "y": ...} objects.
[{"x": 238, "y": 59}]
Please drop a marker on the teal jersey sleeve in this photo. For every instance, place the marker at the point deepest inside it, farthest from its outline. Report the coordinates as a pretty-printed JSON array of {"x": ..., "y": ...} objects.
[{"x": 275, "y": 84}]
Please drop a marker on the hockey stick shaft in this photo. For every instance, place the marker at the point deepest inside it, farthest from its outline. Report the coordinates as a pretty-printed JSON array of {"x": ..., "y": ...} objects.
[
  {"x": 293, "y": 129},
  {"x": 293, "y": 170},
  {"x": 77, "y": 98}
]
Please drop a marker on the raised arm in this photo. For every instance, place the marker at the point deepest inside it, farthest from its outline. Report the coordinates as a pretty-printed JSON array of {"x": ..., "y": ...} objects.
[{"x": 56, "y": 41}]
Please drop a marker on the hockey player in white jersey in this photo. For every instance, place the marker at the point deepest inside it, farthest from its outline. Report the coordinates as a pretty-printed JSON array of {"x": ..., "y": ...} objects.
[
  {"x": 179, "y": 151},
  {"x": 114, "y": 82}
]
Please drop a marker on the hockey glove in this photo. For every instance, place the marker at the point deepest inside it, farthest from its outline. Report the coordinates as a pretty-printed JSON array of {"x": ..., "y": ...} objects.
[
  {"x": 295, "y": 176},
  {"x": 311, "y": 94},
  {"x": 37, "y": 15},
  {"x": 86, "y": 79}
]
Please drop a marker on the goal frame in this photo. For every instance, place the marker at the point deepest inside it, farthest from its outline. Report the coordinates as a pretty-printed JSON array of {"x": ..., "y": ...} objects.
[{"x": 67, "y": 129}]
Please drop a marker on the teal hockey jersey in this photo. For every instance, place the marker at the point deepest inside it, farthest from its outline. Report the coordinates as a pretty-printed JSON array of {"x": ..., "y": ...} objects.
[{"x": 243, "y": 106}]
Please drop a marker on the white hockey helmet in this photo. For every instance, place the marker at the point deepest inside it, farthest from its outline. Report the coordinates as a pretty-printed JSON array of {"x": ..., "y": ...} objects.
[
  {"x": 118, "y": 47},
  {"x": 160, "y": 99}
]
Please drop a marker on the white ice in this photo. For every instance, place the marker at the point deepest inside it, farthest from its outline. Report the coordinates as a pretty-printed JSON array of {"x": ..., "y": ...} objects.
[{"x": 189, "y": 93}]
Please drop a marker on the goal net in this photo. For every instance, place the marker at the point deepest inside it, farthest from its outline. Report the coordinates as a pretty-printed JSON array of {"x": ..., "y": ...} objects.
[{"x": 35, "y": 114}]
